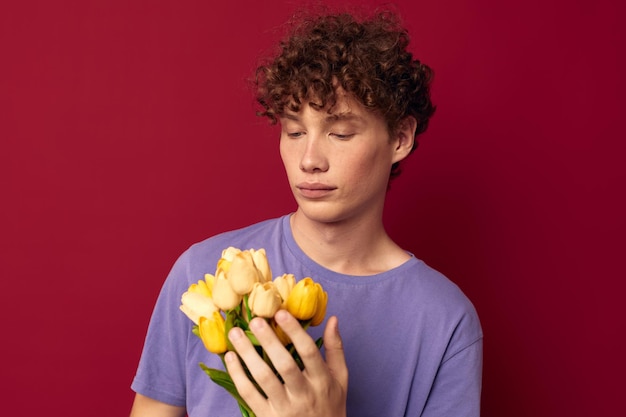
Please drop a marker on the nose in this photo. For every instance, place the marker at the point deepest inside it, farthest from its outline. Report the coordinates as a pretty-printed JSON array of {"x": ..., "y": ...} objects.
[{"x": 315, "y": 156}]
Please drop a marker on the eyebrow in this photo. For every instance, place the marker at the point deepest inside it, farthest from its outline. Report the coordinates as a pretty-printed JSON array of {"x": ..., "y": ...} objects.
[
  {"x": 333, "y": 117},
  {"x": 289, "y": 116},
  {"x": 343, "y": 116}
]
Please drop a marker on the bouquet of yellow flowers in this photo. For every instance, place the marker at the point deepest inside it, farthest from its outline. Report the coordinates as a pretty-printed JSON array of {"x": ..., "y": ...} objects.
[{"x": 241, "y": 289}]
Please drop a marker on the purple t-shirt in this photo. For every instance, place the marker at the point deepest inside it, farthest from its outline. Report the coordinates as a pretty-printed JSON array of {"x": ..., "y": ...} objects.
[{"x": 413, "y": 341}]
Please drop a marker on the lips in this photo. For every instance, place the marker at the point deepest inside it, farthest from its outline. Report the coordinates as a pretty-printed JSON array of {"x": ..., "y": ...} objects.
[{"x": 315, "y": 189}]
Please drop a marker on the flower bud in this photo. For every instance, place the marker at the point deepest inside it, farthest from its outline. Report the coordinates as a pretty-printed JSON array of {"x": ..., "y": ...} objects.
[
  {"x": 322, "y": 301},
  {"x": 212, "y": 331},
  {"x": 223, "y": 264},
  {"x": 284, "y": 284},
  {"x": 303, "y": 300},
  {"x": 229, "y": 253},
  {"x": 196, "y": 305},
  {"x": 204, "y": 287},
  {"x": 260, "y": 261},
  {"x": 264, "y": 300},
  {"x": 242, "y": 274},
  {"x": 223, "y": 295}
]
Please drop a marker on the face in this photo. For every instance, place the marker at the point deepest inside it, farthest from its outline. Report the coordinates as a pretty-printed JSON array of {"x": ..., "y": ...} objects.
[{"x": 338, "y": 163}]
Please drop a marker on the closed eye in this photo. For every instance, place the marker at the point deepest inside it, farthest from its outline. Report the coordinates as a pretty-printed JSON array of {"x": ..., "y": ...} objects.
[{"x": 342, "y": 136}]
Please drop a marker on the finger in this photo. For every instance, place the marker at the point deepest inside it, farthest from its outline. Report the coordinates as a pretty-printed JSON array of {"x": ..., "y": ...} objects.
[
  {"x": 281, "y": 359},
  {"x": 307, "y": 349},
  {"x": 335, "y": 358},
  {"x": 260, "y": 371},
  {"x": 246, "y": 389}
]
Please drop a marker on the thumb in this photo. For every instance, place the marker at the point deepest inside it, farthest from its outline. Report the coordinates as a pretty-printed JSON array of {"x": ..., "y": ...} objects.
[{"x": 335, "y": 358}]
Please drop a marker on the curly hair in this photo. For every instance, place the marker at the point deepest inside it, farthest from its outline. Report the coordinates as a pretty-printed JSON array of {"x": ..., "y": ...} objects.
[{"x": 368, "y": 58}]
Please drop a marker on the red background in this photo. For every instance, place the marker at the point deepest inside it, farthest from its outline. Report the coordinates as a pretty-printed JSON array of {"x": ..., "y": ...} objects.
[{"x": 128, "y": 132}]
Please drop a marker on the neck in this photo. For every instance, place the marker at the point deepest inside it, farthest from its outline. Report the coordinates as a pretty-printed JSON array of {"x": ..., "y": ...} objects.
[{"x": 358, "y": 247}]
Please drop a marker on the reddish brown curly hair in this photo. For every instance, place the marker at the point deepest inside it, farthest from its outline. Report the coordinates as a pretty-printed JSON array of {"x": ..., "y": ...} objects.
[{"x": 367, "y": 57}]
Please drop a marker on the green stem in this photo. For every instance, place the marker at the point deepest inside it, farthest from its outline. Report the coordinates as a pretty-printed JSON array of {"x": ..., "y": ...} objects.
[
  {"x": 248, "y": 312},
  {"x": 243, "y": 406},
  {"x": 244, "y": 412}
]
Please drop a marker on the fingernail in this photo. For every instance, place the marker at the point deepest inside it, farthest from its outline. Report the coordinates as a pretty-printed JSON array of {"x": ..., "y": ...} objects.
[
  {"x": 257, "y": 324},
  {"x": 281, "y": 316},
  {"x": 235, "y": 334}
]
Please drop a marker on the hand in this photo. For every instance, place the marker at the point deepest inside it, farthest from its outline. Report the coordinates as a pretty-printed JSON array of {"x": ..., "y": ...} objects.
[{"x": 318, "y": 390}]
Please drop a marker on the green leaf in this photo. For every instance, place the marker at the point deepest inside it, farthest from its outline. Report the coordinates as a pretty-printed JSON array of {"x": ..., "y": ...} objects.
[
  {"x": 231, "y": 317},
  {"x": 224, "y": 380}
]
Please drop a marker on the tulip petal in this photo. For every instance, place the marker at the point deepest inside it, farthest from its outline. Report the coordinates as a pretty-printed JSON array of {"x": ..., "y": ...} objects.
[
  {"x": 212, "y": 332},
  {"x": 302, "y": 301},
  {"x": 260, "y": 261},
  {"x": 322, "y": 301},
  {"x": 242, "y": 273},
  {"x": 196, "y": 305},
  {"x": 284, "y": 284},
  {"x": 264, "y": 300},
  {"x": 229, "y": 253},
  {"x": 223, "y": 295}
]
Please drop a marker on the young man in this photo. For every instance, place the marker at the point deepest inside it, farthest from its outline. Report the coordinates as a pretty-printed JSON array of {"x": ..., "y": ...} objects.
[{"x": 351, "y": 101}]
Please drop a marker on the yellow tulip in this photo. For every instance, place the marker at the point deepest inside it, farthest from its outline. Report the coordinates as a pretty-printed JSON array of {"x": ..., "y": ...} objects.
[
  {"x": 223, "y": 295},
  {"x": 322, "y": 301},
  {"x": 243, "y": 274},
  {"x": 282, "y": 336},
  {"x": 209, "y": 281},
  {"x": 229, "y": 253},
  {"x": 195, "y": 305},
  {"x": 305, "y": 301},
  {"x": 223, "y": 266},
  {"x": 213, "y": 333},
  {"x": 204, "y": 287},
  {"x": 261, "y": 263},
  {"x": 200, "y": 287},
  {"x": 284, "y": 284},
  {"x": 264, "y": 300}
]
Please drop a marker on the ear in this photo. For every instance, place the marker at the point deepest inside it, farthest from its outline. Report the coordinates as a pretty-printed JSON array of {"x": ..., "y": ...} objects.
[{"x": 404, "y": 138}]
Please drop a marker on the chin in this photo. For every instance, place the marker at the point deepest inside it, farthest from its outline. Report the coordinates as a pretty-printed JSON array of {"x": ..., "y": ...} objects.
[{"x": 322, "y": 213}]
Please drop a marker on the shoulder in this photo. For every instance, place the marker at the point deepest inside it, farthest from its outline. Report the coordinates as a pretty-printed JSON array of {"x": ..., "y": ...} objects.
[
  {"x": 427, "y": 286},
  {"x": 437, "y": 288},
  {"x": 442, "y": 303},
  {"x": 453, "y": 306}
]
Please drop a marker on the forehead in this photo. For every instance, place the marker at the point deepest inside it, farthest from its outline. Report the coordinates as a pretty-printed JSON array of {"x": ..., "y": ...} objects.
[{"x": 345, "y": 107}]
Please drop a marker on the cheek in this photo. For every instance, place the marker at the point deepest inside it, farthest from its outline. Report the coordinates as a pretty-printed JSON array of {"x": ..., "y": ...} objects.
[
  {"x": 282, "y": 149},
  {"x": 374, "y": 170},
  {"x": 371, "y": 163},
  {"x": 289, "y": 162}
]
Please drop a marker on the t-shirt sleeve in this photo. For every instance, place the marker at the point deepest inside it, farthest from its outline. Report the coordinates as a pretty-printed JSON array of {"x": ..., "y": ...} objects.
[
  {"x": 161, "y": 373},
  {"x": 456, "y": 389}
]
